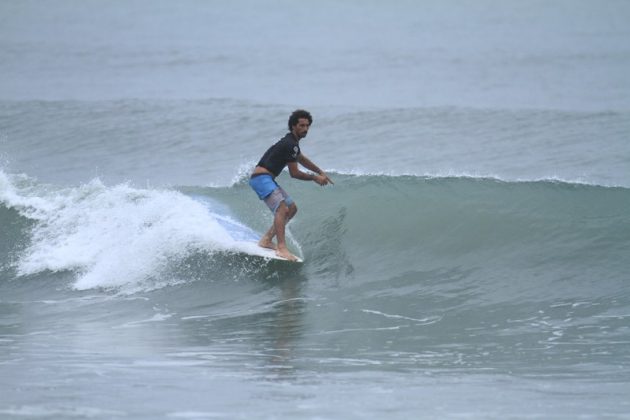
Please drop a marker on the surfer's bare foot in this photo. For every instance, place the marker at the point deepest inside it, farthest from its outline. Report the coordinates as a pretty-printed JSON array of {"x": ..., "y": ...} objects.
[
  {"x": 284, "y": 253},
  {"x": 266, "y": 243}
]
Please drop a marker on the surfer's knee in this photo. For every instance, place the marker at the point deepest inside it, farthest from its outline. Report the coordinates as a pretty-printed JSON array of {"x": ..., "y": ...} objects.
[{"x": 292, "y": 210}]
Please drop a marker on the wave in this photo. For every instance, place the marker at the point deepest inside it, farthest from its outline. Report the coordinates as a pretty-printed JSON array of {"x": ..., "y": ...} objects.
[{"x": 368, "y": 227}]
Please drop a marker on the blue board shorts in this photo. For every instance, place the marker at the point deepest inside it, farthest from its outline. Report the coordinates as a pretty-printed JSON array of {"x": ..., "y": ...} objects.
[{"x": 269, "y": 191}]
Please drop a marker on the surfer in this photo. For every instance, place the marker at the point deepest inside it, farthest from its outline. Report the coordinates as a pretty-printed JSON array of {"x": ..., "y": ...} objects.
[{"x": 286, "y": 152}]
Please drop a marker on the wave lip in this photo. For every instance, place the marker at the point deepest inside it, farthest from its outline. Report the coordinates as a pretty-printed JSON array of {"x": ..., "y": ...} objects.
[{"x": 479, "y": 176}]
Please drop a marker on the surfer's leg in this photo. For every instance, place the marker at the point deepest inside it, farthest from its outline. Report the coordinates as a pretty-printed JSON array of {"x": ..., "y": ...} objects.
[
  {"x": 267, "y": 240},
  {"x": 266, "y": 189},
  {"x": 283, "y": 209},
  {"x": 280, "y": 220}
]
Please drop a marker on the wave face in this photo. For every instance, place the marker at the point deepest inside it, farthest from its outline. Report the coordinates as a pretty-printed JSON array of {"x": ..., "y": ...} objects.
[{"x": 542, "y": 231}]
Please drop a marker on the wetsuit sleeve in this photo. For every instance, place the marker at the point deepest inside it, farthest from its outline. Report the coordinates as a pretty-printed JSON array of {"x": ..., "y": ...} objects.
[{"x": 290, "y": 151}]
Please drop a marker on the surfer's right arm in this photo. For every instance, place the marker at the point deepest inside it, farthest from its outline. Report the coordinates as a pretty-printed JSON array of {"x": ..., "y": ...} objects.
[
  {"x": 295, "y": 172},
  {"x": 321, "y": 178}
]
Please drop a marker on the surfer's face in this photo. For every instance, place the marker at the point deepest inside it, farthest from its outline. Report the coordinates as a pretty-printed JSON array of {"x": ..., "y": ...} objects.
[{"x": 301, "y": 128}]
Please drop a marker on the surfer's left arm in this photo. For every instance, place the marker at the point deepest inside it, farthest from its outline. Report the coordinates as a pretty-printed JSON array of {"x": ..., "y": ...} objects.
[{"x": 308, "y": 164}]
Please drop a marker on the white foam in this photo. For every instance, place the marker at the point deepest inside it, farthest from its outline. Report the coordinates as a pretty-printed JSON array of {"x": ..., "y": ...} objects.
[
  {"x": 25, "y": 201},
  {"x": 155, "y": 318},
  {"x": 423, "y": 321},
  {"x": 111, "y": 236},
  {"x": 243, "y": 172}
]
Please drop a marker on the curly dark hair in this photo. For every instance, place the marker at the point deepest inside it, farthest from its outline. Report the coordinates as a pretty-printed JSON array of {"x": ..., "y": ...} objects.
[{"x": 296, "y": 115}]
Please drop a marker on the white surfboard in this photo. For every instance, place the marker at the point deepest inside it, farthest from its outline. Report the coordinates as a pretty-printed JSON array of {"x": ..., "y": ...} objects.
[{"x": 245, "y": 239}]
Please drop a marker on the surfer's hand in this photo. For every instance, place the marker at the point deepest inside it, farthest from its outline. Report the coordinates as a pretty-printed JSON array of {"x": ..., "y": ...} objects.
[{"x": 322, "y": 179}]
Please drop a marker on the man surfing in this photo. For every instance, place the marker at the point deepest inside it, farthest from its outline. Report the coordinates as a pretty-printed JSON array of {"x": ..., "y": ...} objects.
[{"x": 286, "y": 152}]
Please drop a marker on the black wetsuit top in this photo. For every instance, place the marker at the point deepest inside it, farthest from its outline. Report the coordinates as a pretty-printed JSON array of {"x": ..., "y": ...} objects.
[{"x": 286, "y": 150}]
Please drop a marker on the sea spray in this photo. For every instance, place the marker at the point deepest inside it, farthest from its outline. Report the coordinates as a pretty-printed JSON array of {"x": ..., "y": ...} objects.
[{"x": 111, "y": 236}]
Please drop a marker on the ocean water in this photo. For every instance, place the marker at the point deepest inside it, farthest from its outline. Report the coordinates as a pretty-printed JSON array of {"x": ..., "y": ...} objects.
[{"x": 471, "y": 260}]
